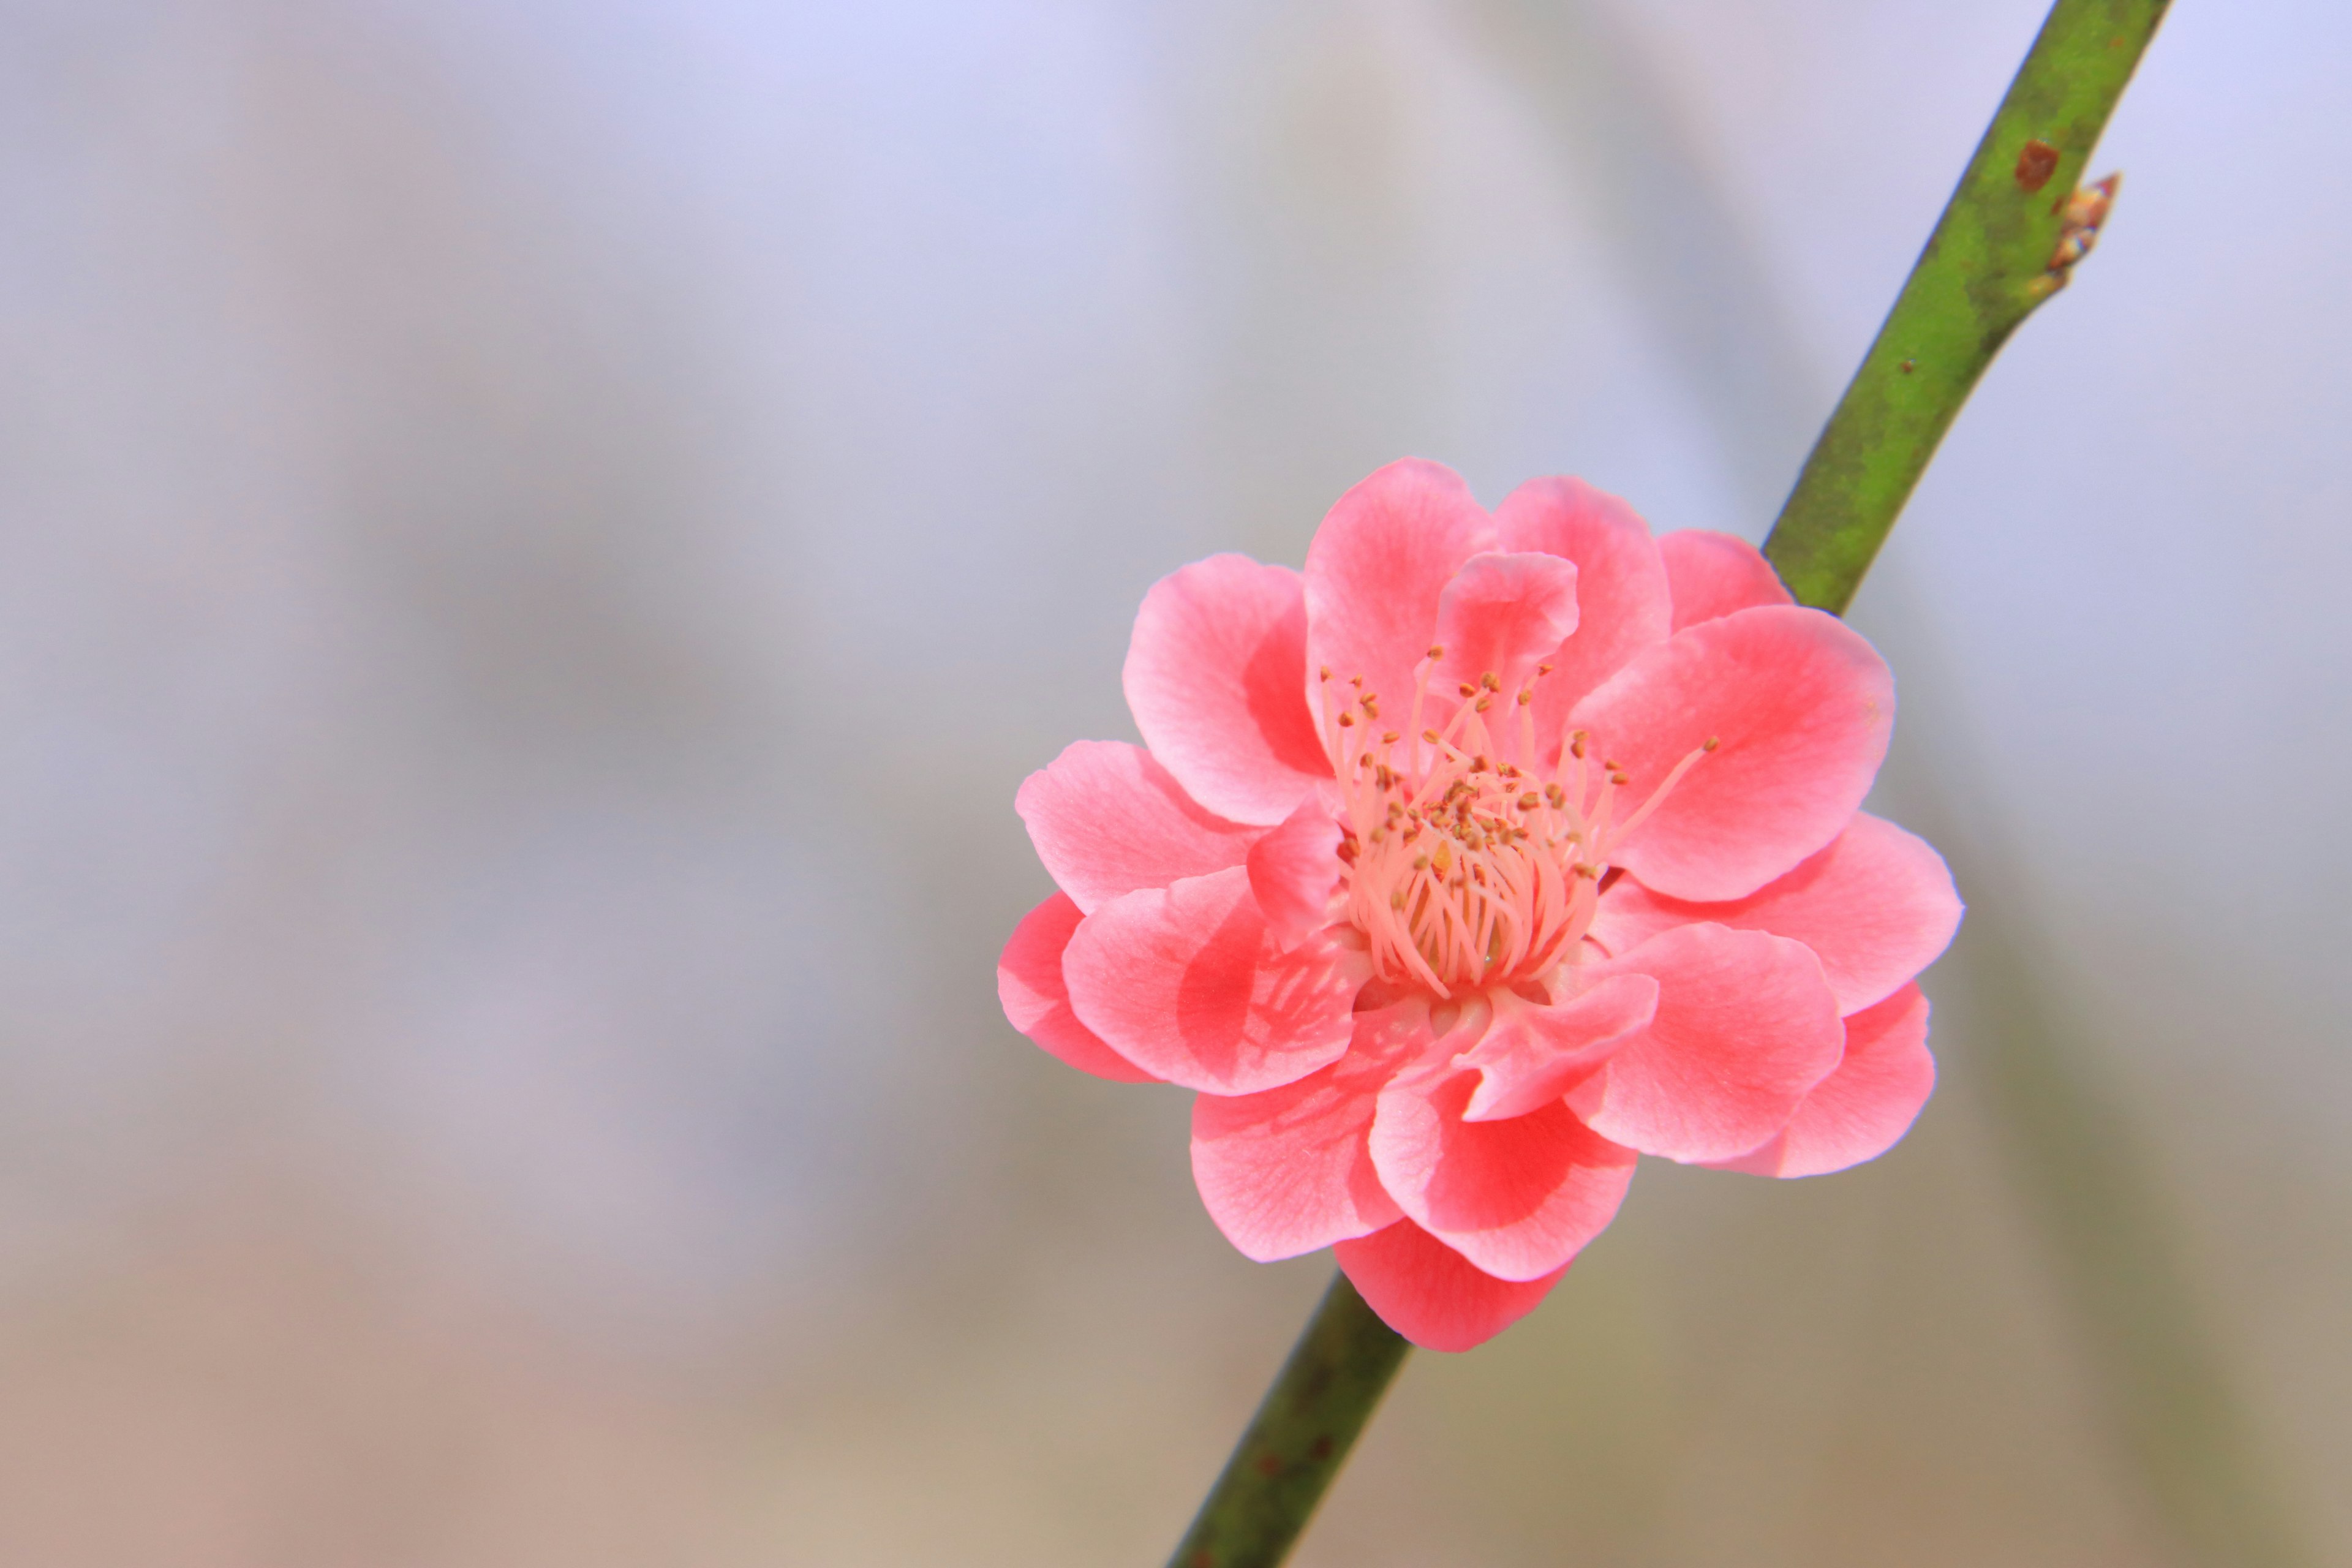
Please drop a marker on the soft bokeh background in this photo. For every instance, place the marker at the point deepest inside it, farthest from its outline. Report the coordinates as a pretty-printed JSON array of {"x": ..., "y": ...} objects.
[{"x": 537, "y": 540}]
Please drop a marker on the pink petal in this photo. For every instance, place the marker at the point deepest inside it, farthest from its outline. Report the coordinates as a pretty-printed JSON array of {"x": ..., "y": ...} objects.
[
  {"x": 1294, "y": 871},
  {"x": 1214, "y": 677},
  {"x": 1876, "y": 906},
  {"x": 1376, "y": 571},
  {"x": 1863, "y": 1108},
  {"x": 1187, "y": 983},
  {"x": 1745, "y": 1026},
  {"x": 1286, "y": 1171},
  {"x": 1800, "y": 706},
  {"x": 1029, "y": 984},
  {"x": 1500, "y": 615},
  {"x": 1531, "y": 1054},
  {"x": 1430, "y": 1293},
  {"x": 1517, "y": 1198},
  {"x": 1715, "y": 574},
  {"x": 1107, "y": 819},
  {"x": 1622, "y": 605}
]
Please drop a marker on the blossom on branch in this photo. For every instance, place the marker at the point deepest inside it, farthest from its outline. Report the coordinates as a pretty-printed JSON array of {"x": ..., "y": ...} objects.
[{"x": 1492, "y": 852}]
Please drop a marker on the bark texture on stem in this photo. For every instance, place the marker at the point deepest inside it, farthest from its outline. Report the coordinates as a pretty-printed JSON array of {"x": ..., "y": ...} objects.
[
  {"x": 1298, "y": 1438},
  {"x": 2008, "y": 240}
]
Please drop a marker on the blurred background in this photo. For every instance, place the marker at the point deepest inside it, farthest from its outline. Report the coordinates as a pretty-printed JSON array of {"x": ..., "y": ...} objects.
[{"x": 538, "y": 540}]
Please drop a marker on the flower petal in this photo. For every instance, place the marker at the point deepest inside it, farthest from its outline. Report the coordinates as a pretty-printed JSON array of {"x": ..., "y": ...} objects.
[
  {"x": 1876, "y": 906},
  {"x": 1712, "y": 574},
  {"x": 1377, "y": 569},
  {"x": 1286, "y": 1170},
  {"x": 1622, "y": 605},
  {"x": 1500, "y": 615},
  {"x": 1215, "y": 677},
  {"x": 1107, "y": 819},
  {"x": 1517, "y": 1198},
  {"x": 1800, "y": 706},
  {"x": 1865, "y": 1106},
  {"x": 1294, "y": 871},
  {"x": 1187, "y": 983},
  {"x": 1029, "y": 984},
  {"x": 1745, "y": 1026},
  {"x": 1531, "y": 1054},
  {"x": 1433, "y": 1295}
]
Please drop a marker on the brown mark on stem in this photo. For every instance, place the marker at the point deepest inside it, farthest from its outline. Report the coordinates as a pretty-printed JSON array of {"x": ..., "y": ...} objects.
[{"x": 2035, "y": 164}]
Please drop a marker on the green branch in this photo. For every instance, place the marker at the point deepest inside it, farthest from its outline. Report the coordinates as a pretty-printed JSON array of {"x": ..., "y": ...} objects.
[
  {"x": 1298, "y": 1438},
  {"x": 2008, "y": 240},
  {"x": 2006, "y": 243}
]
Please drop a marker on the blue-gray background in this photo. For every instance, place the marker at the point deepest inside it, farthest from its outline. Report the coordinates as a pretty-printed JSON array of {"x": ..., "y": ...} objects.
[{"x": 537, "y": 540}]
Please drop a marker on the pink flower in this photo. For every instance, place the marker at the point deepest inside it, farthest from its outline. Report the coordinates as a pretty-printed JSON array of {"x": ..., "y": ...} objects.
[{"x": 1490, "y": 854}]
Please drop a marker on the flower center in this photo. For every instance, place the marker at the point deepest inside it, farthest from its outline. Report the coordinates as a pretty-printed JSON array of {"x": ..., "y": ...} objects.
[{"x": 1465, "y": 871}]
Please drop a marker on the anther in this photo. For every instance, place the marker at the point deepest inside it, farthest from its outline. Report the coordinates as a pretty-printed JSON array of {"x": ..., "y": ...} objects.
[
  {"x": 1438, "y": 650},
  {"x": 1529, "y": 801},
  {"x": 1618, "y": 777},
  {"x": 1468, "y": 689},
  {"x": 1326, "y": 672},
  {"x": 1544, "y": 669},
  {"x": 1430, "y": 735},
  {"x": 1346, "y": 720},
  {"x": 1390, "y": 737},
  {"x": 1526, "y": 697},
  {"x": 1712, "y": 743},
  {"x": 1482, "y": 704},
  {"x": 1491, "y": 681}
]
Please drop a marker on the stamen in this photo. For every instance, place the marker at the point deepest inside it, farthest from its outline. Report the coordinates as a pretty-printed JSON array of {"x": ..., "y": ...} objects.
[
  {"x": 1658, "y": 795},
  {"x": 1505, "y": 887}
]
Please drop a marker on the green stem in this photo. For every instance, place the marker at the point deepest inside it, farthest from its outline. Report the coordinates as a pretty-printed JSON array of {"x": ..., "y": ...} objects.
[
  {"x": 1993, "y": 258},
  {"x": 1298, "y": 1438},
  {"x": 1987, "y": 267}
]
